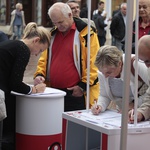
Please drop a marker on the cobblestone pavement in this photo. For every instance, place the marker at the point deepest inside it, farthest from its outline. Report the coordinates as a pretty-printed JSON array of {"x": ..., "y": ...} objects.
[{"x": 30, "y": 69}]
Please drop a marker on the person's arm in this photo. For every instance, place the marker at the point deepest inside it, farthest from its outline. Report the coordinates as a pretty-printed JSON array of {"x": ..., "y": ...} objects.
[
  {"x": 20, "y": 56},
  {"x": 101, "y": 22},
  {"x": 113, "y": 25},
  {"x": 144, "y": 109},
  {"x": 103, "y": 99},
  {"x": 142, "y": 71},
  {"x": 143, "y": 112},
  {"x": 94, "y": 47},
  {"x": 13, "y": 12},
  {"x": 42, "y": 64},
  {"x": 23, "y": 19}
]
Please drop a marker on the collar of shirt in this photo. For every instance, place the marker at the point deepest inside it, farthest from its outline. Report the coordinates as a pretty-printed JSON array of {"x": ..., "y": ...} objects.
[
  {"x": 73, "y": 27},
  {"x": 140, "y": 24}
]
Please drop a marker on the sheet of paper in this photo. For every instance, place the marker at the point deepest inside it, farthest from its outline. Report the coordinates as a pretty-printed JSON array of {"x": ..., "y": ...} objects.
[
  {"x": 117, "y": 122},
  {"x": 108, "y": 118},
  {"x": 46, "y": 92}
]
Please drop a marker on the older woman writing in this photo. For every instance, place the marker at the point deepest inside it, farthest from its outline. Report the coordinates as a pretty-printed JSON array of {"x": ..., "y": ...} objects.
[{"x": 110, "y": 62}]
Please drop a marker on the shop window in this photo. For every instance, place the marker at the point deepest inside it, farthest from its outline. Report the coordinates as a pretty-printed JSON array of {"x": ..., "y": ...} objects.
[
  {"x": 38, "y": 12},
  {"x": 2, "y": 11}
]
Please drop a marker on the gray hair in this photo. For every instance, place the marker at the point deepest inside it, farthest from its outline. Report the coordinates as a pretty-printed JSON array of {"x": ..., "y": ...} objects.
[
  {"x": 63, "y": 7},
  {"x": 108, "y": 56}
]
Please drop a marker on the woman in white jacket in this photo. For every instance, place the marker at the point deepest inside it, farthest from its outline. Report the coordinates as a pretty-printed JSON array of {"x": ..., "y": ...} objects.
[{"x": 110, "y": 62}]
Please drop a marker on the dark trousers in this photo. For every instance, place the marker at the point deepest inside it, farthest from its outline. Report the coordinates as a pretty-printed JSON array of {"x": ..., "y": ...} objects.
[
  {"x": 72, "y": 103},
  {"x": 8, "y": 135},
  {"x": 102, "y": 40}
]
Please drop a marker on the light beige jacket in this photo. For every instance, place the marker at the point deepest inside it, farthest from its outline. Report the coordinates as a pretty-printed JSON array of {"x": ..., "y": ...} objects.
[{"x": 12, "y": 21}]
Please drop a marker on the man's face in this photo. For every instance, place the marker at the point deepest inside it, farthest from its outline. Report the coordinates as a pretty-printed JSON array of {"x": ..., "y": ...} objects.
[
  {"x": 101, "y": 7},
  {"x": 75, "y": 9},
  {"x": 144, "y": 55},
  {"x": 124, "y": 10},
  {"x": 144, "y": 8},
  {"x": 62, "y": 22}
]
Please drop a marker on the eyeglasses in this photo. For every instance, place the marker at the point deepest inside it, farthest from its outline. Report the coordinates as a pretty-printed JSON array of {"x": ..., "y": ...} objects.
[{"x": 147, "y": 62}]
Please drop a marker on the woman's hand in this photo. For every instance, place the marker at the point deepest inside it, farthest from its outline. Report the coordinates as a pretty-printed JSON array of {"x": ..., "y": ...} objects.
[
  {"x": 39, "y": 88},
  {"x": 96, "y": 109}
]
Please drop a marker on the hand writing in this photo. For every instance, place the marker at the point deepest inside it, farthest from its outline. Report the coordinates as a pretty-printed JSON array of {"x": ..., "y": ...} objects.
[
  {"x": 96, "y": 109},
  {"x": 40, "y": 88},
  {"x": 140, "y": 116}
]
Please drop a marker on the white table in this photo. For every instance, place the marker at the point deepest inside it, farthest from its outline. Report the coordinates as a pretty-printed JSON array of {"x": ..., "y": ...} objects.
[
  {"x": 84, "y": 131},
  {"x": 39, "y": 119}
]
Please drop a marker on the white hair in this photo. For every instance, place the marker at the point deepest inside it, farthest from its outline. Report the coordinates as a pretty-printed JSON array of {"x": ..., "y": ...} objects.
[
  {"x": 64, "y": 8},
  {"x": 123, "y": 4}
]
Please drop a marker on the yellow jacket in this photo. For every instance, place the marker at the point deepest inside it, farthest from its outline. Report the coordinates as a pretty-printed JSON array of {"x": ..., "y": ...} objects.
[{"x": 80, "y": 52}]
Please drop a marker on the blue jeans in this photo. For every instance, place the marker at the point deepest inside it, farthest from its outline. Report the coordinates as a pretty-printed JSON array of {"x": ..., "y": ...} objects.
[
  {"x": 18, "y": 32},
  {"x": 117, "y": 43}
]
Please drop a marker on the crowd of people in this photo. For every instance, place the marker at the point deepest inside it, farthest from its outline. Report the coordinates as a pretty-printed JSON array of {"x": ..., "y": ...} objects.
[{"x": 62, "y": 62}]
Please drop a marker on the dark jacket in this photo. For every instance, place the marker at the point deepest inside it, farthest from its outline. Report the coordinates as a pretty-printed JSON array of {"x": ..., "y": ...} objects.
[
  {"x": 100, "y": 25},
  {"x": 14, "y": 57},
  {"x": 117, "y": 26},
  {"x": 3, "y": 36}
]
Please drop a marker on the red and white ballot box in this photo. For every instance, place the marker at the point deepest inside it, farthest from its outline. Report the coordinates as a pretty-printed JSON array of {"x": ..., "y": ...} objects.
[{"x": 39, "y": 120}]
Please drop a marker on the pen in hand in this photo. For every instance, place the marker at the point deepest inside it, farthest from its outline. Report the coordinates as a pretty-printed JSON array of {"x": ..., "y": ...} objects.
[
  {"x": 96, "y": 109},
  {"x": 132, "y": 114},
  {"x": 95, "y": 104}
]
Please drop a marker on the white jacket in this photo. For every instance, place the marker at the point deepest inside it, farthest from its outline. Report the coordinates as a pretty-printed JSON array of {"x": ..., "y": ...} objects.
[{"x": 106, "y": 96}]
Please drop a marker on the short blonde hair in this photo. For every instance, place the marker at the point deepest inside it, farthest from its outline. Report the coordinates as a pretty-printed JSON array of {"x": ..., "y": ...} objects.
[
  {"x": 32, "y": 30},
  {"x": 108, "y": 56},
  {"x": 18, "y": 6}
]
